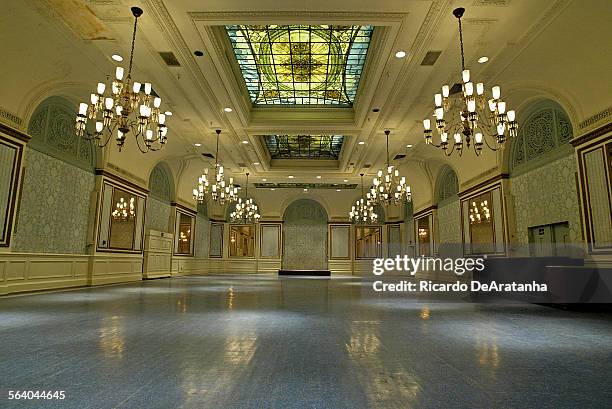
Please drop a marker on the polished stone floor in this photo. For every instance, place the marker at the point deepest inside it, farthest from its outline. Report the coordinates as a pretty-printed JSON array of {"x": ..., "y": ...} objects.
[{"x": 264, "y": 342}]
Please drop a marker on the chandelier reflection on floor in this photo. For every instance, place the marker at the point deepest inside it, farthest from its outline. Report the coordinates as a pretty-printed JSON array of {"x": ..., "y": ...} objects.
[
  {"x": 479, "y": 212},
  {"x": 363, "y": 211},
  {"x": 467, "y": 116},
  {"x": 218, "y": 189},
  {"x": 124, "y": 211},
  {"x": 389, "y": 187},
  {"x": 246, "y": 210},
  {"x": 128, "y": 107}
]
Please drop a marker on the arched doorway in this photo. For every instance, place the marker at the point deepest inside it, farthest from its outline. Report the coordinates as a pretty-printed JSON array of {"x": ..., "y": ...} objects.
[{"x": 305, "y": 236}]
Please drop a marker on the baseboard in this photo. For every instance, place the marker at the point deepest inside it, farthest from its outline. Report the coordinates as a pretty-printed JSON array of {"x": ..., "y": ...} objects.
[
  {"x": 116, "y": 278},
  {"x": 33, "y": 285}
]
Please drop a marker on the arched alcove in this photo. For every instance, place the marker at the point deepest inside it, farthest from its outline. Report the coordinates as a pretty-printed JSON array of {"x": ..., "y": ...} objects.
[
  {"x": 161, "y": 189},
  {"x": 543, "y": 169},
  {"x": 542, "y": 138},
  {"x": 305, "y": 236},
  {"x": 54, "y": 209},
  {"x": 448, "y": 212}
]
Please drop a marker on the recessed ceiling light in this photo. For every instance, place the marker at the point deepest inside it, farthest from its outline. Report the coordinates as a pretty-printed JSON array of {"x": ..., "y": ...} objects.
[
  {"x": 290, "y": 176},
  {"x": 117, "y": 57},
  {"x": 228, "y": 109},
  {"x": 345, "y": 180},
  {"x": 305, "y": 190},
  {"x": 409, "y": 145},
  {"x": 483, "y": 59},
  {"x": 361, "y": 143},
  {"x": 198, "y": 53},
  {"x": 400, "y": 54},
  {"x": 168, "y": 113},
  {"x": 255, "y": 163},
  {"x": 318, "y": 176},
  {"x": 272, "y": 189},
  {"x": 197, "y": 144},
  {"x": 245, "y": 142},
  {"x": 264, "y": 180},
  {"x": 338, "y": 190}
]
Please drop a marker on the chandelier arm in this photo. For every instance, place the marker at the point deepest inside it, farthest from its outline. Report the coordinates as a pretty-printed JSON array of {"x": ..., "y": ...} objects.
[
  {"x": 108, "y": 138},
  {"x": 493, "y": 148},
  {"x": 146, "y": 148}
]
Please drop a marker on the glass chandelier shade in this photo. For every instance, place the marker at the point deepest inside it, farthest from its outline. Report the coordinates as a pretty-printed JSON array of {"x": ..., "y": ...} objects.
[
  {"x": 246, "y": 210},
  {"x": 389, "y": 187},
  {"x": 469, "y": 117},
  {"x": 216, "y": 187},
  {"x": 362, "y": 211},
  {"x": 123, "y": 107}
]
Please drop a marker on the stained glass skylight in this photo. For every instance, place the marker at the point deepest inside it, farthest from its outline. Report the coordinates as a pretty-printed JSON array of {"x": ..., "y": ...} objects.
[
  {"x": 301, "y": 64},
  {"x": 304, "y": 146}
]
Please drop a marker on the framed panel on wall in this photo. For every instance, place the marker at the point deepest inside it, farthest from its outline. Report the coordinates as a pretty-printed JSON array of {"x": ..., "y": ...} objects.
[
  {"x": 483, "y": 222},
  {"x": 11, "y": 152},
  {"x": 270, "y": 240},
  {"x": 242, "y": 240},
  {"x": 215, "y": 249},
  {"x": 424, "y": 234},
  {"x": 121, "y": 219},
  {"x": 368, "y": 242},
  {"x": 339, "y": 241},
  {"x": 184, "y": 233}
]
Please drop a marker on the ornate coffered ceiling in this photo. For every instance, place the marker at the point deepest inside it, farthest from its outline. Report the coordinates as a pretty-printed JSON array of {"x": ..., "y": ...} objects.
[{"x": 392, "y": 93}]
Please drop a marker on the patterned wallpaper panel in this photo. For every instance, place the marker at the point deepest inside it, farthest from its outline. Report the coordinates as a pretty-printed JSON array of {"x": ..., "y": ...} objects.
[
  {"x": 535, "y": 191},
  {"x": 305, "y": 236},
  {"x": 449, "y": 226},
  {"x": 158, "y": 215},
  {"x": 53, "y": 212},
  {"x": 159, "y": 184},
  {"x": 202, "y": 236}
]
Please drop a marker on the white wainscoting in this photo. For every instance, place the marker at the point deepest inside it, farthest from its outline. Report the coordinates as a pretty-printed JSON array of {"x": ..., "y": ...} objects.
[
  {"x": 363, "y": 268},
  {"x": 115, "y": 268},
  {"x": 341, "y": 267},
  {"x": 268, "y": 265},
  {"x": 157, "y": 255},
  {"x": 32, "y": 272}
]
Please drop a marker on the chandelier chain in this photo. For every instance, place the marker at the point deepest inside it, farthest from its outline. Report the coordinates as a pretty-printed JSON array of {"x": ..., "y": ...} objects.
[
  {"x": 461, "y": 44},
  {"x": 132, "y": 49}
]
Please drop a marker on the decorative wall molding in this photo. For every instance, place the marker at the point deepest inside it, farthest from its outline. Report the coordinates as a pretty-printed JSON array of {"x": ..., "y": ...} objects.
[
  {"x": 594, "y": 134},
  {"x": 302, "y": 16},
  {"x": 10, "y": 118},
  {"x": 596, "y": 119},
  {"x": 483, "y": 184}
]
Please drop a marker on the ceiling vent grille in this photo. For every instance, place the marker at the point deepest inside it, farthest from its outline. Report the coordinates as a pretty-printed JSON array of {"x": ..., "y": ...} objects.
[
  {"x": 169, "y": 58},
  {"x": 431, "y": 57},
  {"x": 208, "y": 155}
]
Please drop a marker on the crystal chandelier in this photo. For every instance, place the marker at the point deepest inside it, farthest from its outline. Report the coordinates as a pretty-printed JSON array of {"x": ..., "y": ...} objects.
[
  {"x": 469, "y": 117},
  {"x": 123, "y": 210},
  {"x": 389, "y": 188},
  {"x": 246, "y": 211},
  {"x": 128, "y": 107},
  {"x": 218, "y": 189},
  {"x": 362, "y": 211},
  {"x": 480, "y": 213}
]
